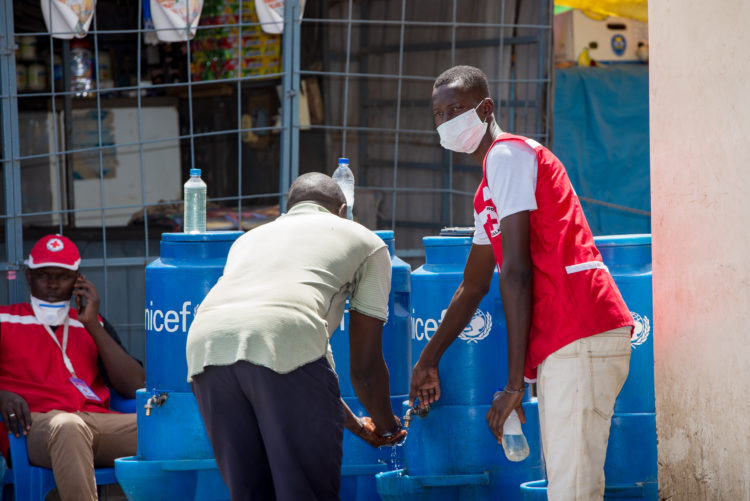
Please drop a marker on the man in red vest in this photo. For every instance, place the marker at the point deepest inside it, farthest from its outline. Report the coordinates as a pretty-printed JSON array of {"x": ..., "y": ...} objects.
[
  {"x": 568, "y": 327},
  {"x": 52, "y": 388}
]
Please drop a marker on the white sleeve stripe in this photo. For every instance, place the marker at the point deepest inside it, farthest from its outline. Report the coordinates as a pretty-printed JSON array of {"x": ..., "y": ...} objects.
[
  {"x": 532, "y": 143},
  {"x": 29, "y": 320},
  {"x": 590, "y": 265}
]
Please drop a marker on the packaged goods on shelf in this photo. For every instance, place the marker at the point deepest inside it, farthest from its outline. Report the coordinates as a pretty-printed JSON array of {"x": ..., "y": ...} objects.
[{"x": 230, "y": 43}]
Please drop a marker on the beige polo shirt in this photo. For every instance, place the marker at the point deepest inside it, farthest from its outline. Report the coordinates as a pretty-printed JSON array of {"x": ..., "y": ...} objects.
[{"x": 284, "y": 290}]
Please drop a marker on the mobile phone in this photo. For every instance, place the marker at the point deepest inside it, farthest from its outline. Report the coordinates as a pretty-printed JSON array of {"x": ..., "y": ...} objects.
[{"x": 79, "y": 303}]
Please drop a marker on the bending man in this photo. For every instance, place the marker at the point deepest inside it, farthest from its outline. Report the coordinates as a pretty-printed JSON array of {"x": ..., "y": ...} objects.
[{"x": 259, "y": 356}]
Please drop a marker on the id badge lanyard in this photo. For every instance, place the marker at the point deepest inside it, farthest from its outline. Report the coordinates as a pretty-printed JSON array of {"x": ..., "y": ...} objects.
[
  {"x": 80, "y": 384},
  {"x": 64, "y": 346}
]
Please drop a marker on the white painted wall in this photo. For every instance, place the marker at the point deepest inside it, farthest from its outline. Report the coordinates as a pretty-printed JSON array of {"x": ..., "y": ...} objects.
[{"x": 700, "y": 200}]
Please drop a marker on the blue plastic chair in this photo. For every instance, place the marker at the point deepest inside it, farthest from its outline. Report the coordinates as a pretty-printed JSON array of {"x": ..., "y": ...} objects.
[{"x": 33, "y": 483}]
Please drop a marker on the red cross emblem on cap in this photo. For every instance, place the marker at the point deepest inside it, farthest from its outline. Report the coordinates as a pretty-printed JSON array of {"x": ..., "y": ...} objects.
[{"x": 55, "y": 245}]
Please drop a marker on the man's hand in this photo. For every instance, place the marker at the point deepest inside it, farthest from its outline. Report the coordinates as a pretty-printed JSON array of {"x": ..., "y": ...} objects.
[
  {"x": 367, "y": 433},
  {"x": 425, "y": 385},
  {"x": 15, "y": 413},
  {"x": 365, "y": 429},
  {"x": 502, "y": 405},
  {"x": 89, "y": 312}
]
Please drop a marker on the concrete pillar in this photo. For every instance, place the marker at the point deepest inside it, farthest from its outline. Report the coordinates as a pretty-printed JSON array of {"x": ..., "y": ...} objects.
[{"x": 700, "y": 200}]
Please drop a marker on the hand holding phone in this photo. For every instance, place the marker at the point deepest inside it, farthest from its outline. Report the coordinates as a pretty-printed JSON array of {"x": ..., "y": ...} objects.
[{"x": 87, "y": 299}]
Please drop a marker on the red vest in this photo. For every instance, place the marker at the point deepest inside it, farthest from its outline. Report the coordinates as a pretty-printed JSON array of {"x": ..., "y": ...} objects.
[
  {"x": 31, "y": 364},
  {"x": 574, "y": 296}
]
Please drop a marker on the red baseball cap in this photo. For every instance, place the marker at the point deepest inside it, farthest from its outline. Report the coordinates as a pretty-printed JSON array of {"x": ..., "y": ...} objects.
[{"x": 54, "y": 250}]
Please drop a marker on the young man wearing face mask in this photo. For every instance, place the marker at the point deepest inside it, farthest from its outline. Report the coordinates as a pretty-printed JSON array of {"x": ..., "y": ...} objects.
[
  {"x": 52, "y": 388},
  {"x": 568, "y": 327}
]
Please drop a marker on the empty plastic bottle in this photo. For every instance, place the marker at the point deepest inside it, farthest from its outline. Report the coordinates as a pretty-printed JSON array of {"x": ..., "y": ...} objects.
[
  {"x": 514, "y": 442},
  {"x": 345, "y": 178},
  {"x": 195, "y": 203},
  {"x": 81, "y": 70}
]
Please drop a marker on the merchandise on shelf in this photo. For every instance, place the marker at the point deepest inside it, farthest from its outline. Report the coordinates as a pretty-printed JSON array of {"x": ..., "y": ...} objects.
[{"x": 236, "y": 47}]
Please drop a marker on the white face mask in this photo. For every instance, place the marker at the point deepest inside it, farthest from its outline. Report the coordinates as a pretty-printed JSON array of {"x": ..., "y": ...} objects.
[
  {"x": 50, "y": 313},
  {"x": 463, "y": 133}
]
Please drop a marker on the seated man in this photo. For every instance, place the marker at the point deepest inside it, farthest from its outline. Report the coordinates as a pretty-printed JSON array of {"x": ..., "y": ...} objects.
[{"x": 53, "y": 363}]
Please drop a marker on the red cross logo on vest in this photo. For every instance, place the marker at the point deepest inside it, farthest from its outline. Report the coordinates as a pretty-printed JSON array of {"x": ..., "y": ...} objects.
[{"x": 491, "y": 223}]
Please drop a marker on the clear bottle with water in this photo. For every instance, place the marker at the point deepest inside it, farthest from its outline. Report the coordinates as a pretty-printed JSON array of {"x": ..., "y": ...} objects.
[
  {"x": 514, "y": 442},
  {"x": 195, "y": 203},
  {"x": 345, "y": 178}
]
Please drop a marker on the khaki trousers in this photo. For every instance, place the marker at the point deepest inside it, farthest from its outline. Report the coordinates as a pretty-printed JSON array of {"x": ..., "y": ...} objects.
[
  {"x": 577, "y": 387},
  {"x": 72, "y": 444}
]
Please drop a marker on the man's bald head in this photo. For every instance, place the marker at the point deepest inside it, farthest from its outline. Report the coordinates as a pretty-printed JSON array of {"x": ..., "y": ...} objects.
[{"x": 319, "y": 188}]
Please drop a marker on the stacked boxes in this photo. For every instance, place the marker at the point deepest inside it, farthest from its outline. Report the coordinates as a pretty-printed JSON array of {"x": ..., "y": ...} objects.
[{"x": 237, "y": 47}]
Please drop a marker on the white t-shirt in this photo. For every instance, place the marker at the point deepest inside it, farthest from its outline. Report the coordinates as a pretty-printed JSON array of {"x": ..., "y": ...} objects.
[{"x": 511, "y": 179}]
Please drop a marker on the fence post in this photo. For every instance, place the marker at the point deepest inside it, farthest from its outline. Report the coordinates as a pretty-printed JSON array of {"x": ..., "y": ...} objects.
[
  {"x": 10, "y": 153},
  {"x": 290, "y": 86}
]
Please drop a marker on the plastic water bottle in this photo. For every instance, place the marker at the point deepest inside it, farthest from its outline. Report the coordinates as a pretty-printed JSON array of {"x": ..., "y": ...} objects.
[
  {"x": 81, "y": 70},
  {"x": 195, "y": 203},
  {"x": 514, "y": 442},
  {"x": 345, "y": 178}
]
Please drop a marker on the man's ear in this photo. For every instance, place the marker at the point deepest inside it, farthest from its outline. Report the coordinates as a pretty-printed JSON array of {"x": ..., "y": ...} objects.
[
  {"x": 342, "y": 211},
  {"x": 488, "y": 106}
]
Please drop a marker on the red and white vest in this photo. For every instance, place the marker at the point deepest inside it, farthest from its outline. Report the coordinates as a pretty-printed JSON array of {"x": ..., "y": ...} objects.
[
  {"x": 31, "y": 364},
  {"x": 574, "y": 296}
]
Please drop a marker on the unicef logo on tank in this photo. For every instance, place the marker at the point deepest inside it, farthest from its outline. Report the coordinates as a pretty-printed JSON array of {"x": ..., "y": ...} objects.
[
  {"x": 641, "y": 330},
  {"x": 478, "y": 328}
]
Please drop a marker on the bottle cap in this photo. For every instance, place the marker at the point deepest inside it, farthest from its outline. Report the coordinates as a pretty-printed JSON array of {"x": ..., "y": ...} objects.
[
  {"x": 195, "y": 172},
  {"x": 344, "y": 161},
  {"x": 80, "y": 42}
]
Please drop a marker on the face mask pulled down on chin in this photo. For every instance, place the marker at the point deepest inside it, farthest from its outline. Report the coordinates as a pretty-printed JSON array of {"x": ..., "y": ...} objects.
[
  {"x": 463, "y": 133},
  {"x": 50, "y": 313}
]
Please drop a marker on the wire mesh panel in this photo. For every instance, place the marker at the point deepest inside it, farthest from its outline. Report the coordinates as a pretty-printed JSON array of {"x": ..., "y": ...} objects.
[
  {"x": 377, "y": 65},
  {"x": 101, "y": 124}
]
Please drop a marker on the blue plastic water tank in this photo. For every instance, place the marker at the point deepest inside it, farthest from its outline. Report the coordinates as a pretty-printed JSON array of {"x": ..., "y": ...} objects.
[
  {"x": 630, "y": 468},
  {"x": 628, "y": 258},
  {"x": 174, "y": 453},
  {"x": 631, "y": 453},
  {"x": 174, "y": 430},
  {"x": 476, "y": 363},
  {"x": 176, "y": 283},
  {"x": 360, "y": 461},
  {"x": 451, "y": 453}
]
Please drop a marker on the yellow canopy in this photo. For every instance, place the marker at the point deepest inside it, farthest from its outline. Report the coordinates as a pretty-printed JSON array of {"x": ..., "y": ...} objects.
[{"x": 634, "y": 9}]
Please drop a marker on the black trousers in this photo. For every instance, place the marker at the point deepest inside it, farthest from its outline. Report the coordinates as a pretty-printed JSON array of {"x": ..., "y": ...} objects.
[{"x": 275, "y": 436}]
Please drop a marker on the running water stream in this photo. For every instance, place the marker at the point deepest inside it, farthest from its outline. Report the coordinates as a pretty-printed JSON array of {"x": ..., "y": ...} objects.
[{"x": 394, "y": 461}]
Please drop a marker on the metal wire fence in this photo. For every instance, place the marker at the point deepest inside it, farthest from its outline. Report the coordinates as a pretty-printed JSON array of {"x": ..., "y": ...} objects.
[{"x": 102, "y": 158}]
